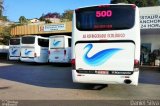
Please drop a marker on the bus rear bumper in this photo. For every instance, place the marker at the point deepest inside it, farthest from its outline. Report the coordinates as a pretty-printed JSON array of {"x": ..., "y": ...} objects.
[
  {"x": 14, "y": 58},
  {"x": 60, "y": 61},
  {"x": 105, "y": 79},
  {"x": 27, "y": 59}
]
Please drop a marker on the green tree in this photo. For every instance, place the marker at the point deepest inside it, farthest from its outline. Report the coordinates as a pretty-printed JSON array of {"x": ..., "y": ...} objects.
[
  {"x": 48, "y": 21},
  {"x": 1, "y": 8},
  {"x": 42, "y": 18},
  {"x": 153, "y": 2},
  {"x": 68, "y": 14},
  {"x": 118, "y": 1},
  {"x": 139, "y": 3},
  {"x": 23, "y": 20},
  {"x": 5, "y": 35}
]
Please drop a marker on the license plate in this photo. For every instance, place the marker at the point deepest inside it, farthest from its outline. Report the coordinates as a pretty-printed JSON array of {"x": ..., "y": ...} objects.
[{"x": 56, "y": 57}]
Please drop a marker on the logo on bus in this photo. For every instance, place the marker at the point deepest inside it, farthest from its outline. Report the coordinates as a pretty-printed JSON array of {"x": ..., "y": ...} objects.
[
  {"x": 100, "y": 57},
  {"x": 27, "y": 52},
  {"x": 56, "y": 43},
  {"x": 13, "y": 51}
]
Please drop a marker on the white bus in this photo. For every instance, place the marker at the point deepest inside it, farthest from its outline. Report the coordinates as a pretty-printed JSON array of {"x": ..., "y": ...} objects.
[
  {"x": 60, "y": 49},
  {"x": 106, "y": 44},
  {"x": 34, "y": 49},
  {"x": 14, "y": 49}
]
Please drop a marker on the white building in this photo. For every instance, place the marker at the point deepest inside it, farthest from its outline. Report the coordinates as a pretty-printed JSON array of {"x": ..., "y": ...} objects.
[
  {"x": 35, "y": 20},
  {"x": 54, "y": 20},
  {"x": 150, "y": 28}
]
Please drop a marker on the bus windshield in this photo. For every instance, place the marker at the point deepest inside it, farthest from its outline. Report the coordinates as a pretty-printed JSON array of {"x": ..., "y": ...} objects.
[
  {"x": 14, "y": 41},
  {"x": 105, "y": 17},
  {"x": 28, "y": 40}
]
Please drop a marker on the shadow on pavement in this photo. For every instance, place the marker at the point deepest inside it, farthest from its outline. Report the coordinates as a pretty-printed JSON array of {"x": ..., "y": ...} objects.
[
  {"x": 59, "y": 75},
  {"x": 44, "y": 75}
]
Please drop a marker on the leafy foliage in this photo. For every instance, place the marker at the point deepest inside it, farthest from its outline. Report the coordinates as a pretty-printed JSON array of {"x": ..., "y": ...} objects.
[
  {"x": 67, "y": 15},
  {"x": 1, "y": 7},
  {"x": 49, "y": 15},
  {"x": 23, "y": 20},
  {"x": 139, "y": 3},
  {"x": 5, "y": 35}
]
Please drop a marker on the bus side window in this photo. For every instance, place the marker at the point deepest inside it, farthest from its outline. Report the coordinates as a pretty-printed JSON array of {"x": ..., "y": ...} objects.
[
  {"x": 43, "y": 42},
  {"x": 69, "y": 42}
]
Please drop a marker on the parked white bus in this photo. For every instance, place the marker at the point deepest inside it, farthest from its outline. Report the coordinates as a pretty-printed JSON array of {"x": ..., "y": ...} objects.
[
  {"x": 34, "y": 49},
  {"x": 14, "y": 49},
  {"x": 60, "y": 49},
  {"x": 106, "y": 44}
]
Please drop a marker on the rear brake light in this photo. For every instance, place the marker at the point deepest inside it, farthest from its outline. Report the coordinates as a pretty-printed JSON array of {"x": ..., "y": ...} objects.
[
  {"x": 64, "y": 52},
  {"x": 73, "y": 62},
  {"x": 49, "y": 52},
  {"x": 136, "y": 63}
]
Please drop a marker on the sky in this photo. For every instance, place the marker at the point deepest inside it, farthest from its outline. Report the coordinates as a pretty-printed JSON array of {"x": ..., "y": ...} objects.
[{"x": 13, "y": 9}]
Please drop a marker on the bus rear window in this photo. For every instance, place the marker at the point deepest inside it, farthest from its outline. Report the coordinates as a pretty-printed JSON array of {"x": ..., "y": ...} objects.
[
  {"x": 28, "y": 40},
  {"x": 14, "y": 41},
  {"x": 43, "y": 42},
  {"x": 107, "y": 17}
]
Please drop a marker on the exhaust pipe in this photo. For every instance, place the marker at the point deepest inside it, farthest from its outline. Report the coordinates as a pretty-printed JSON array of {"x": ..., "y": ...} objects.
[{"x": 127, "y": 81}]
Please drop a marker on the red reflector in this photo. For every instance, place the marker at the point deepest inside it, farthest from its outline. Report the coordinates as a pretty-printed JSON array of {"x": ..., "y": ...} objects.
[
  {"x": 73, "y": 62},
  {"x": 102, "y": 72}
]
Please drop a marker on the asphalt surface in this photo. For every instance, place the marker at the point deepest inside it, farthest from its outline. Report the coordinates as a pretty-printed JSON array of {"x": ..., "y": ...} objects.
[{"x": 54, "y": 82}]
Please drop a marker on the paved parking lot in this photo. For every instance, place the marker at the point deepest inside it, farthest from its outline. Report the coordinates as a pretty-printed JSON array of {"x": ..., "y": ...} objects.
[{"x": 28, "y": 81}]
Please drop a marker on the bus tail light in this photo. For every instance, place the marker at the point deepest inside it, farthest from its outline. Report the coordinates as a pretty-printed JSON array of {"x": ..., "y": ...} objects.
[
  {"x": 73, "y": 62},
  {"x": 64, "y": 52},
  {"x": 136, "y": 63},
  {"x": 49, "y": 52}
]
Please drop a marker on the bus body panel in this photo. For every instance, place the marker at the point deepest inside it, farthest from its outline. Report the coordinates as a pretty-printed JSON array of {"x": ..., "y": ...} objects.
[
  {"x": 105, "y": 56},
  {"x": 60, "y": 52}
]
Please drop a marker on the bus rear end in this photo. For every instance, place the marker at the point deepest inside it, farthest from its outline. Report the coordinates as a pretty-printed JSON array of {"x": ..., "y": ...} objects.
[
  {"x": 14, "y": 49},
  {"x": 59, "y": 50},
  {"x": 28, "y": 49},
  {"x": 106, "y": 45}
]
